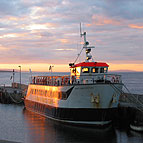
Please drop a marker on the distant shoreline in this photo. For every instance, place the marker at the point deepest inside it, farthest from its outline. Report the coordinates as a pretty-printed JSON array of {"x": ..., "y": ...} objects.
[
  {"x": 120, "y": 71},
  {"x": 4, "y": 71}
]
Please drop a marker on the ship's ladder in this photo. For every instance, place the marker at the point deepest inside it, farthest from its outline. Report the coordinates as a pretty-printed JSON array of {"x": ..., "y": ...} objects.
[{"x": 133, "y": 100}]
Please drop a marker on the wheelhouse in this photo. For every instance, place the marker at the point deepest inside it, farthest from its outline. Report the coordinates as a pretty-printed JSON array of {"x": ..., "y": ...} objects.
[
  {"x": 91, "y": 68},
  {"x": 88, "y": 72}
]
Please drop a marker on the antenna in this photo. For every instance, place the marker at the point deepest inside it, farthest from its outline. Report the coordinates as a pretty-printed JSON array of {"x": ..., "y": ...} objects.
[
  {"x": 82, "y": 48},
  {"x": 85, "y": 46},
  {"x": 30, "y": 78},
  {"x": 80, "y": 30}
]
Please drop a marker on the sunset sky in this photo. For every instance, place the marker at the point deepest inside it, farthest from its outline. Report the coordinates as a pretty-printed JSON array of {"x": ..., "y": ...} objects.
[{"x": 38, "y": 33}]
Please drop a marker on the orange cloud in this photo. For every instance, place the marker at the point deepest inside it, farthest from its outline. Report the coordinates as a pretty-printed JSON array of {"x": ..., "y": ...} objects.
[
  {"x": 63, "y": 40},
  {"x": 102, "y": 20},
  {"x": 40, "y": 26},
  {"x": 12, "y": 35},
  {"x": 135, "y": 26},
  {"x": 2, "y": 48},
  {"x": 13, "y": 18},
  {"x": 64, "y": 49}
]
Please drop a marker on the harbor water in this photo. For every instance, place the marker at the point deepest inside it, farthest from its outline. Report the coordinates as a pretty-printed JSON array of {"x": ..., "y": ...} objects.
[
  {"x": 132, "y": 80},
  {"x": 20, "y": 125}
]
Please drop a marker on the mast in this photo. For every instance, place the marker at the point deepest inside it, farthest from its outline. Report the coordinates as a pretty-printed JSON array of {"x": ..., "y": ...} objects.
[{"x": 85, "y": 46}]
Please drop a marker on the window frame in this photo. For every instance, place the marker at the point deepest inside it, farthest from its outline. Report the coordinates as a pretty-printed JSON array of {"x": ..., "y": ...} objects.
[
  {"x": 84, "y": 68},
  {"x": 95, "y": 69}
]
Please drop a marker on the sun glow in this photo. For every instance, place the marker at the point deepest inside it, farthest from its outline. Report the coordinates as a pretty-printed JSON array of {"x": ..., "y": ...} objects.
[
  {"x": 131, "y": 67},
  {"x": 40, "y": 67}
]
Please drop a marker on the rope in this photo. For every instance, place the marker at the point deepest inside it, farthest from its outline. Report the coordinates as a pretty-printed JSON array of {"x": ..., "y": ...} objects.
[
  {"x": 78, "y": 56},
  {"x": 15, "y": 100}
]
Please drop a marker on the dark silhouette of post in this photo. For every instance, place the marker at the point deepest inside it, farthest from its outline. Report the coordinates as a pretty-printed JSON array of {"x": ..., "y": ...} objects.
[
  {"x": 13, "y": 75},
  {"x": 20, "y": 75}
]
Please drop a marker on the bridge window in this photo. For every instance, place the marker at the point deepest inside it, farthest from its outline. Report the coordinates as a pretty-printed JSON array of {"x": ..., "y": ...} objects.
[
  {"x": 94, "y": 70},
  {"x": 105, "y": 70},
  {"x": 101, "y": 70},
  {"x": 74, "y": 70},
  {"x": 85, "y": 70},
  {"x": 78, "y": 70}
]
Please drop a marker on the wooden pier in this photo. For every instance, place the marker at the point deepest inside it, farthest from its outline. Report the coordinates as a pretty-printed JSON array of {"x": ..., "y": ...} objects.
[{"x": 13, "y": 94}]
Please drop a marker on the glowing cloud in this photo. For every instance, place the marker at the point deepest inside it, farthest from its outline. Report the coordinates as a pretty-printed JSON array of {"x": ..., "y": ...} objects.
[
  {"x": 64, "y": 49},
  {"x": 2, "y": 48},
  {"x": 46, "y": 31},
  {"x": 37, "y": 27},
  {"x": 63, "y": 40},
  {"x": 135, "y": 26},
  {"x": 103, "y": 20}
]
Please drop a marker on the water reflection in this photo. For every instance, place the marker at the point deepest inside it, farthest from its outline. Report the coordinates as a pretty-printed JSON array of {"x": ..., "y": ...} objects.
[
  {"x": 41, "y": 129},
  {"x": 134, "y": 136},
  {"x": 18, "y": 125}
]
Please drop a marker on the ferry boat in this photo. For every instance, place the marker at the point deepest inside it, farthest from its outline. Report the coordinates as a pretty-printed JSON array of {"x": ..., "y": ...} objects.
[{"x": 88, "y": 96}]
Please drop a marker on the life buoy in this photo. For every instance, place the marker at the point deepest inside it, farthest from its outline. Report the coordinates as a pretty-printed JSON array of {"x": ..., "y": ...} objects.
[
  {"x": 62, "y": 82},
  {"x": 66, "y": 80},
  {"x": 113, "y": 79},
  {"x": 117, "y": 79}
]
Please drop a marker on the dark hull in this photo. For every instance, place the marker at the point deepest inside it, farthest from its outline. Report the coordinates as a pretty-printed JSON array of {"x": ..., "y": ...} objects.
[{"x": 73, "y": 115}]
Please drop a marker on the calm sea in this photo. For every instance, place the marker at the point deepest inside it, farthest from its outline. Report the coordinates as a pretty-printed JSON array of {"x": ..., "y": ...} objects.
[{"x": 20, "y": 125}]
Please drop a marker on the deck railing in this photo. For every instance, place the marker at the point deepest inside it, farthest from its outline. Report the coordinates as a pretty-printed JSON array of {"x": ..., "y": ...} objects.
[{"x": 72, "y": 80}]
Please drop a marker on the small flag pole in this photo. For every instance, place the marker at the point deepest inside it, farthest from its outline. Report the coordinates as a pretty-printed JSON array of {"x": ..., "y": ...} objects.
[{"x": 13, "y": 75}]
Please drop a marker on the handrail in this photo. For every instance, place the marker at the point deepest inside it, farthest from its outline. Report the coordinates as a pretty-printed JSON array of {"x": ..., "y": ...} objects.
[{"x": 82, "y": 79}]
